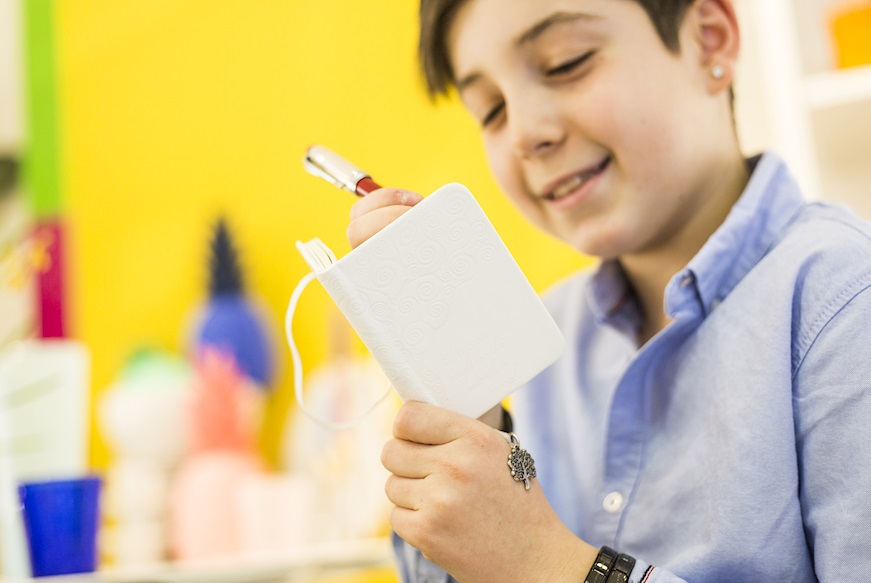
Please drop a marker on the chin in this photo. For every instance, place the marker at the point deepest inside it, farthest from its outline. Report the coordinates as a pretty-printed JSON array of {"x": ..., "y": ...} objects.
[{"x": 602, "y": 245}]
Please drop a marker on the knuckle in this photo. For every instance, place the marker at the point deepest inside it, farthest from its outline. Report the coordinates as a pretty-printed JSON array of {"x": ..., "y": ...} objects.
[
  {"x": 386, "y": 454},
  {"x": 392, "y": 455},
  {"x": 390, "y": 486},
  {"x": 456, "y": 471},
  {"x": 403, "y": 422},
  {"x": 399, "y": 196},
  {"x": 478, "y": 440}
]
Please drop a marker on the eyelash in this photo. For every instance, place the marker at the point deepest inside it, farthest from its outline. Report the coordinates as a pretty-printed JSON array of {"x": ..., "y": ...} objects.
[
  {"x": 491, "y": 115},
  {"x": 563, "y": 69},
  {"x": 569, "y": 66}
]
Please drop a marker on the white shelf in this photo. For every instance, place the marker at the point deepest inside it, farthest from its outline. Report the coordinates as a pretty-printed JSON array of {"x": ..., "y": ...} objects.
[
  {"x": 320, "y": 561},
  {"x": 835, "y": 88},
  {"x": 816, "y": 119}
]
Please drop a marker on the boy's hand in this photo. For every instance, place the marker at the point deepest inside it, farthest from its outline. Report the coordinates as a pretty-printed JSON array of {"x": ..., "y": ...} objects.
[
  {"x": 376, "y": 210},
  {"x": 456, "y": 501}
]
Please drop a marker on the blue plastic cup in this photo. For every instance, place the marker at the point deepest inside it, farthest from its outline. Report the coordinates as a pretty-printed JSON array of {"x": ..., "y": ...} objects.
[{"x": 61, "y": 518}]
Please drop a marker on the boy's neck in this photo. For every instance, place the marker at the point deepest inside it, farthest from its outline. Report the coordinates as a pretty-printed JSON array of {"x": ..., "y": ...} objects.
[{"x": 650, "y": 272}]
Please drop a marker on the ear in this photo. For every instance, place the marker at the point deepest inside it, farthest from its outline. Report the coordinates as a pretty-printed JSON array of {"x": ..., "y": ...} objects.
[{"x": 717, "y": 38}]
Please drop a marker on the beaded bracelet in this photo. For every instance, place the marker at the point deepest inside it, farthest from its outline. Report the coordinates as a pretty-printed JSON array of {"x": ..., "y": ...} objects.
[{"x": 610, "y": 567}]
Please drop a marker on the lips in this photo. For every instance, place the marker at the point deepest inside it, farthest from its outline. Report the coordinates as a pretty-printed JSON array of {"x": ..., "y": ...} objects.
[{"x": 572, "y": 183}]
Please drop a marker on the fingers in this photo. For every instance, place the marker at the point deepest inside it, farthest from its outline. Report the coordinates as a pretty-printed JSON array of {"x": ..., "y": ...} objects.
[
  {"x": 430, "y": 425},
  {"x": 406, "y": 459},
  {"x": 367, "y": 225},
  {"x": 376, "y": 210},
  {"x": 404, "y": 492},
  {"x": 384, "y": 197}
]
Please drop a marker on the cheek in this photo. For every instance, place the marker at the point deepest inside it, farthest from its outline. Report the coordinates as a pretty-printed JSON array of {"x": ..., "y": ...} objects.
[
  {"x": 505, "y": 169},
  {"x": 631, "y": 111}
]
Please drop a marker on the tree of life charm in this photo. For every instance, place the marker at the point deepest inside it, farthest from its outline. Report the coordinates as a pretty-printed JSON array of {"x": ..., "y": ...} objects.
[{"x": 521, "y": 463}]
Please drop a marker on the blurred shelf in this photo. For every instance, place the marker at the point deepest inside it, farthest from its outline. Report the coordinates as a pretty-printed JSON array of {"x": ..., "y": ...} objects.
[
  {"x": 838, "y": 87},
  {"x": 817, "y": 119},
  {"x": 360, "y": 561}
]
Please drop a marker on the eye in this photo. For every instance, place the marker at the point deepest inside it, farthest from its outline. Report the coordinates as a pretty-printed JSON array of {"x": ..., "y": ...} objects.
[
  {"x": 569, "y": 66},
  {"x": 493, "y": 114}
]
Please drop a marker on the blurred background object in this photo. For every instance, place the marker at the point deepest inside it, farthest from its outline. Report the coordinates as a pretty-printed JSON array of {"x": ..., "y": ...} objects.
[
  {"x": 44, "y": 421},
  {"x": 62, "y": 521},
  {"x": 21, "y": 258},
  {"x": 344, "y": 465},
  {"x": 792, "y": 97},
  {"x": 230, "y": 322},
  {"x": 851, "y": 33},
  {"x": 127, "y": 127},
  {"x": 143, "y": 417},
  {"x": 8, "y": 175}
]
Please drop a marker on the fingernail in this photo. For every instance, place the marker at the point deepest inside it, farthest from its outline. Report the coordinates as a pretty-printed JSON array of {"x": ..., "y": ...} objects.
[{"x": 410, "y": 198}]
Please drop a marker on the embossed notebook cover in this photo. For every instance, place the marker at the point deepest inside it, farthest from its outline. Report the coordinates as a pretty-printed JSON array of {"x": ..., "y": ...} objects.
[{"x": 441, "y": 304}]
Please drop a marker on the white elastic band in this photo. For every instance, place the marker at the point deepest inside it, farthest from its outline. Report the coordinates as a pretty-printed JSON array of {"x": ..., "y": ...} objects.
[{"x": 297, "y": 365}]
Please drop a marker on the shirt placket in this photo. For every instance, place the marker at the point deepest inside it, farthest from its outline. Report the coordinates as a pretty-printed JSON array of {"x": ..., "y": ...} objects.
[{"x": 628, "y": 423}]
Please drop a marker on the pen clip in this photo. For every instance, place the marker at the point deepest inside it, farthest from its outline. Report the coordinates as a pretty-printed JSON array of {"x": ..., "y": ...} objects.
[{"x": 323, "y": 163}]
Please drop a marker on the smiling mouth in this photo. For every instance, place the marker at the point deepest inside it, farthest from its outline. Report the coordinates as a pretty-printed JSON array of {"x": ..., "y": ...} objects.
[{"x": 575, "y": 182}]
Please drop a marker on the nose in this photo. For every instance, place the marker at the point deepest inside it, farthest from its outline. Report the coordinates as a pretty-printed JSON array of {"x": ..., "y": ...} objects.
[{"x": 535, "y": 123}]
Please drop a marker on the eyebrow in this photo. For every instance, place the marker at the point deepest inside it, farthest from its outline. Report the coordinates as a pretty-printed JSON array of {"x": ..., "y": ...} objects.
[
  {"x": 539, "y": 28},
  {"x": 530, "y": 35}
]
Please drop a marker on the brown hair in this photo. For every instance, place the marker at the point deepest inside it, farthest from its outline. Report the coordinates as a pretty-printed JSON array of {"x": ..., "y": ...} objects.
[{"x": 436, "y": 17}]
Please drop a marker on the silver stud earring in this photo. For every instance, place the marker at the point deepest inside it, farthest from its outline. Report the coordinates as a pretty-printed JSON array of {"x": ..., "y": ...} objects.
[{"x": 717, "y": 72}]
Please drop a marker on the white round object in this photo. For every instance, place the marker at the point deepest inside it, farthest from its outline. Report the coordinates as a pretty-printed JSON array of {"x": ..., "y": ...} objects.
[
  {"x": 136, "y": 490},
  {"x": 345, "y": 465},
  {"x": 148, "y": 418},
  {"x": 135, "y": 543}
]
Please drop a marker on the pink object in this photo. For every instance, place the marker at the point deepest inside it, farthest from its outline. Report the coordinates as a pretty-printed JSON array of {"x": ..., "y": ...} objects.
[
  {"x": 276, "y": 512},
  {"x": 48, "y": 245},
  {"x": 225, "y": 408},
  {"x": 204, "y": 521}
]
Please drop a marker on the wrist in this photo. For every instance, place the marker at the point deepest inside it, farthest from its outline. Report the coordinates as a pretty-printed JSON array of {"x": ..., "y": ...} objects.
[
  {"x": 571, "y": 562},
  {"x": 561, "y": 557}
]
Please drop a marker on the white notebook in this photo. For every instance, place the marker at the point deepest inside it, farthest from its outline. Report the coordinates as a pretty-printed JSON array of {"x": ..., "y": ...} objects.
[{"x": 441, "y": 304}]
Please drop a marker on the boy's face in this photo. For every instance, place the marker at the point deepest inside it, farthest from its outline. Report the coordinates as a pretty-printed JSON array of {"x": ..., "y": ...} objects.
[{"x": 597, "y": 132}]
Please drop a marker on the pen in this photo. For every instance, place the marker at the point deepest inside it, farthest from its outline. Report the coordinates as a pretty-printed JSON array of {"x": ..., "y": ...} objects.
[{"x": 328, "y": 165}]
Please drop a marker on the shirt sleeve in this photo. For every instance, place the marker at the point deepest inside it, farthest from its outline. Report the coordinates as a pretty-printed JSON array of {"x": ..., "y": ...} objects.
[
  {"x": 414, "y": 568},
  {"x": 832, "y": 409}
]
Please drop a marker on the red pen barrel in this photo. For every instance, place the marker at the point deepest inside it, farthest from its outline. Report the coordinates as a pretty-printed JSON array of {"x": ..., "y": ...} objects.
[{"x": 365, "y": 186}]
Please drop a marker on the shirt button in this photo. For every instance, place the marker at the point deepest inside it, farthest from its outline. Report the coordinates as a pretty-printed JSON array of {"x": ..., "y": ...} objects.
[
  {"x": 686, "y": 280},
  {"x": 613, "y": 502}
]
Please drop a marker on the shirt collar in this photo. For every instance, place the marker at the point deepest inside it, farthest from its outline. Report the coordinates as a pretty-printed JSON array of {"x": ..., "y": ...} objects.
[
  {"x": 611, "y": 298},
  {"x": 768, "y": 204}
]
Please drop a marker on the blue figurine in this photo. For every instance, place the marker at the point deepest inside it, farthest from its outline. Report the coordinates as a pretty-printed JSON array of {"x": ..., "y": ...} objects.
[{"x": 230, "y": 321}]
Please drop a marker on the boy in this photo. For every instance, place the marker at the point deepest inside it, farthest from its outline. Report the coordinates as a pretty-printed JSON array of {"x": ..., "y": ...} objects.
[{"x": 715, "y": 384}]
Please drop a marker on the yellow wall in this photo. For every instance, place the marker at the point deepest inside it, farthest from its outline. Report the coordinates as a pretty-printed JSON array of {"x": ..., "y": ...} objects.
[{"x": 174, "y": 111}]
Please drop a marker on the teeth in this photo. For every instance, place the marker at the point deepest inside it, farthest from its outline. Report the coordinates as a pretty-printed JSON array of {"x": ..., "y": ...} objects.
[
  {"x": 575, "y": 182},
  {"x": 567, "y": 186}
]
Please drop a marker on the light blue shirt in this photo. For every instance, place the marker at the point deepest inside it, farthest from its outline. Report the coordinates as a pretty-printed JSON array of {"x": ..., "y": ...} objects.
[{"x": 735, "y": 445}]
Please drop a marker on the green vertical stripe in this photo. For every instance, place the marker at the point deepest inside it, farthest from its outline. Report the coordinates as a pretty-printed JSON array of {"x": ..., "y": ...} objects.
[{"x": 41, "y": 167}]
